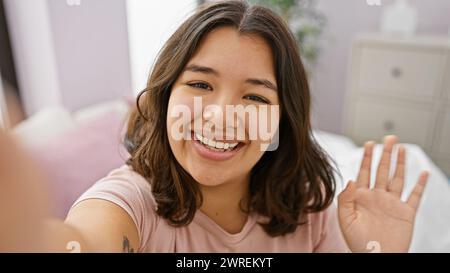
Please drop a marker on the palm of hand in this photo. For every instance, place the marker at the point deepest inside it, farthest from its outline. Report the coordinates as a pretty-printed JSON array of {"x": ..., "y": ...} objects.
[{"x": 379, "y": 215}]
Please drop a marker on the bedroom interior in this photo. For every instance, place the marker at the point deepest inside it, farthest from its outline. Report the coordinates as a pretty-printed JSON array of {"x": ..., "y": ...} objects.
[{"x": 70, "y": 93}]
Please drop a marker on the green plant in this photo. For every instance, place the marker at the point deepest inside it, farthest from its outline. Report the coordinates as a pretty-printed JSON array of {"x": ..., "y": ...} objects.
[{"x": 305, "y": 21}]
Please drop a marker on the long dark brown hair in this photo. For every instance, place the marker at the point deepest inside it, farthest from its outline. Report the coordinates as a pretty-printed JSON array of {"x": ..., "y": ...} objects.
[{"x": 285, "y": 184}]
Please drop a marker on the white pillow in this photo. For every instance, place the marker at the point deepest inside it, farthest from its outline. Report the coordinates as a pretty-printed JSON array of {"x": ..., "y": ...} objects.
[
  {"x": 53, "y": 121},
  {"x": 94, "y": 111},
  {"x": 335, "y": 145},
  {"x": 43, "y": 125}
]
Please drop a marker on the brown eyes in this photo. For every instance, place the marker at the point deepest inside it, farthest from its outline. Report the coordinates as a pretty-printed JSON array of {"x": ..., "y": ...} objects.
[
  {"x": 257, "y": 99},
  {"x": 205, "y": 86},
  {"x": 200, "y": 85}
]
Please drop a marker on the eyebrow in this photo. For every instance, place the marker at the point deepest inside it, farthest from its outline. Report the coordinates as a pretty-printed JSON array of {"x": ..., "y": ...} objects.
[
  {"x": 201, "y": 69},
  {"x": 263, "y": 82},
  {"x": 208, "y": 70}
]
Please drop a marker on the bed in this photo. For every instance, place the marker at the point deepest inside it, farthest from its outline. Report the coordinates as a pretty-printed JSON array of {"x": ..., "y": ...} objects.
[{"x": 63, "y": 144}]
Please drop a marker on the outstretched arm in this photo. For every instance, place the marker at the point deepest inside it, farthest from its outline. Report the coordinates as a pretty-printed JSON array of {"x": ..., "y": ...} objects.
[{"x": 25, "y": 219}]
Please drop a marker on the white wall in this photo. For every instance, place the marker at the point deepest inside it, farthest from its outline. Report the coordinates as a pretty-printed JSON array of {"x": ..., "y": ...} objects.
[
  {"x": 150, "y": 24},
  {"x": 33, "y": 50}
]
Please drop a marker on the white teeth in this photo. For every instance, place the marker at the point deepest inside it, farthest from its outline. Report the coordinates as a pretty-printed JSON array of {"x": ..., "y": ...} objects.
[
  {"x": 215, "y": 144},
  {"x": 232, "y": 145},
  {"x": 219, "y": 145},
  {"x": 211, "y": 143},
  {"x": 199, "y": 137},
  {"x": 205, "y": 141}
]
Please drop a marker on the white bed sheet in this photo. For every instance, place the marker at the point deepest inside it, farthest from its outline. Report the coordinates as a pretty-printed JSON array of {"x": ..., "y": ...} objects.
[{"x": 432, "y": 228}]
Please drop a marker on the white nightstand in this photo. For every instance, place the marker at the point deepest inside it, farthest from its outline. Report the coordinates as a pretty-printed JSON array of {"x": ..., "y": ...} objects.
[{"x": 401, "y": 86}]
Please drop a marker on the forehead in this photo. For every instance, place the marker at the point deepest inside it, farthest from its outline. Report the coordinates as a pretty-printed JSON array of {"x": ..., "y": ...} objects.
[{"x": 231, "y": 52}]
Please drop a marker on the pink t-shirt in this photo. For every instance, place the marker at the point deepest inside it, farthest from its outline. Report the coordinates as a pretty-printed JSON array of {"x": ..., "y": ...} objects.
[{"x": 132, "y": 192}]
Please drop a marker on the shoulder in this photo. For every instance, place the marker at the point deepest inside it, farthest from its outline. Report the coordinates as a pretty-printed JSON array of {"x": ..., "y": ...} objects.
[
  {"x": 127, "y": 182},
  {"x": 130, "y": 191},
  {"x": 124, "y": 185}
]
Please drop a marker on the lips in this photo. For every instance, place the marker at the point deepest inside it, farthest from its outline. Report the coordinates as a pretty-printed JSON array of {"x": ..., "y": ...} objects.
[{"x": 214, "y": 149}]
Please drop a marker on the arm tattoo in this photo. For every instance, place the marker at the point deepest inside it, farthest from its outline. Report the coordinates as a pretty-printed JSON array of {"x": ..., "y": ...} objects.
[{"x": 126, "y": 246}]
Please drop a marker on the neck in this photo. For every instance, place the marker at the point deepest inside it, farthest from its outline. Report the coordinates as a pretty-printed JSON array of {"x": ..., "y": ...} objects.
[{"x": 221, "y": 203}]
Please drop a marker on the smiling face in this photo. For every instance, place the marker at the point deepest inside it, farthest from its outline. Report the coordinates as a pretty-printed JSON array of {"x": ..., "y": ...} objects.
[
  {"x": 228, "y": 69},
  {"x": 229, "y": 53}
]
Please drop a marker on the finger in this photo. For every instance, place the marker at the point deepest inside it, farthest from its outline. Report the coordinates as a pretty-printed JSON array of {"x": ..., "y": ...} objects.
[
  {"x": 382, "y": 179},
  {"x": 416, "y": 194},
  {"x": 397, "y": 183},
  {"x": 363, "y": 180}
]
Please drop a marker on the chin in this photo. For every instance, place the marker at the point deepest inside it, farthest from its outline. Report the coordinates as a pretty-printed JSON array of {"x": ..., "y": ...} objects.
[{"x": 207, "y": 178}]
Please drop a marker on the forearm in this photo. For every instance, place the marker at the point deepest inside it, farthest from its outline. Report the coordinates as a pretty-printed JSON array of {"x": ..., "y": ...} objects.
[
  {"x": 25, "y": 213},
  {"x": 66, "y": 237}
]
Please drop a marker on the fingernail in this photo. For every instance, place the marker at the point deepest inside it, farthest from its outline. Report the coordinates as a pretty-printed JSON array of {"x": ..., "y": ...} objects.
[{"x": 370, "y": 143}]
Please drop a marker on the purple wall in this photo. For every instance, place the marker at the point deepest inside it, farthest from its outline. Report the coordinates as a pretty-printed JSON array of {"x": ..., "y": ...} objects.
[
  {"x": 91, "y": 47},
  {"x": 345, "y": 20}
]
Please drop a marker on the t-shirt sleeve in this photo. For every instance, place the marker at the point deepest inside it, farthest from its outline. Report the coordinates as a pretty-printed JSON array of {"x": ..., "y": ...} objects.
[
  {"x": 331, "y": 238},
  {"x": 130, "y": 191}
]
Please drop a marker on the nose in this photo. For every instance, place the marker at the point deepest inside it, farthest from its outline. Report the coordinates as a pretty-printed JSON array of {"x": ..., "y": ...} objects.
[{"x": 220, "y": 119}]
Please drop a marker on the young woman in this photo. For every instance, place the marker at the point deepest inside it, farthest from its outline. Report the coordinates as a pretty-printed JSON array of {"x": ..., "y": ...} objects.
[{"x": 206, "y": 193}]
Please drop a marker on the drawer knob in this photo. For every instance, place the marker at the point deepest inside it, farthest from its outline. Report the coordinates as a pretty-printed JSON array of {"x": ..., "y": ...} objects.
[
  {"x": 388, "y": 125},
  {"x": 396, "y": 72}
]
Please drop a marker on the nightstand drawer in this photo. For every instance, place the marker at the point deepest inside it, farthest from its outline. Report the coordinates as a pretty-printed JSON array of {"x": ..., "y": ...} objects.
[
  {"x": 443, "y": 138},
  {"x": 375, "y": 119},
  {"x": 401, "y": 72}
]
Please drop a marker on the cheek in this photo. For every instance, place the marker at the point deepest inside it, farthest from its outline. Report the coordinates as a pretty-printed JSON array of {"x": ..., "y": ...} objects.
[
  {"x": 263, "y": 130},
  {"x": 178, "y": 98},
  {"x": 180, "y": 112},
  {"x": 253, "y": 153}
]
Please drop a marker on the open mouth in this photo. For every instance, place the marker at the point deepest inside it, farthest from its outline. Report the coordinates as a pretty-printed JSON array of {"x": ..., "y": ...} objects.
[
  {"x": 215, "y": 145},
  {"x": 215, "y": 149}
]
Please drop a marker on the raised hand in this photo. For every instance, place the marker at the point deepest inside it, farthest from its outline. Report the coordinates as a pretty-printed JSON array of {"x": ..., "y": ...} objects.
[{"x": 377, "y": 215}]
